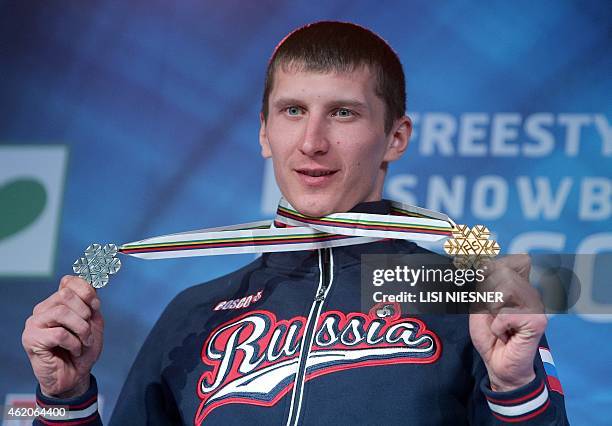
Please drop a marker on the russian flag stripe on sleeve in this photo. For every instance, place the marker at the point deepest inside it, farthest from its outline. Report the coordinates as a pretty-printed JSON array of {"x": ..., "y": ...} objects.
[
  {"x": 522, "y": 409},
  {"x": 81, "y": 410},
  {"x": 551, "y": 371}
]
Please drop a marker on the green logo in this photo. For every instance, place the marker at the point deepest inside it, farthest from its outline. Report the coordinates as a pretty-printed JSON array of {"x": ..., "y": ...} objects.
[{"x": 22, "y": 201}]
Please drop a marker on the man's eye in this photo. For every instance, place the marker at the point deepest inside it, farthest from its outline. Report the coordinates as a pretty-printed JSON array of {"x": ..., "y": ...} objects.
[
  {"x": 343, "y": 112},
  {"x": 293, "y": 110}
]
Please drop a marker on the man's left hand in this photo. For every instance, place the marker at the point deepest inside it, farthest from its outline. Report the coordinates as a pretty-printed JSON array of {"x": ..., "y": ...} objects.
[{"x": 507, "y": 335}]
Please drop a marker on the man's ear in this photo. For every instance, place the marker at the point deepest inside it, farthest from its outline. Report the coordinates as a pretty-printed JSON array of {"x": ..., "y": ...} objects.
[
  {"x": 398, "y": 139},
  {"x": 266, "y": 152}
]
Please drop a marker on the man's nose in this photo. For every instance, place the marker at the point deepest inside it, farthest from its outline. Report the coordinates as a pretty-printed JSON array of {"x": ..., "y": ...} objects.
[{"x": 314, "y": 141}]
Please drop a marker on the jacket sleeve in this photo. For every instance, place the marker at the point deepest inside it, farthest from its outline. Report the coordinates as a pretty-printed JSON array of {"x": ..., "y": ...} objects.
[
  {"x": 82, "y": 410},
  {"x": 540, "y": 402}
]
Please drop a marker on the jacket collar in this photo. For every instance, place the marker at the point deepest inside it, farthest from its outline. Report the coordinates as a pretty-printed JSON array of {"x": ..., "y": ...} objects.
[{"x": 374, "y": 207}]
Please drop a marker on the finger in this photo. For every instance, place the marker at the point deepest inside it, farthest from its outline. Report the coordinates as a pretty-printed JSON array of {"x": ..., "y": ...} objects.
[
  {"x": 502, "y": 279},
  {"x": 501, "y": 325},
  {"x": 42, "y": 340},
  {"x": 506, "y": 277},
  {"x": 68, "y": 297},
  {"x": 520, "y": 263},
  {"x": 97, "y": 320},
  {"x": 49, "y": 302},
  {"x": 515, "y": 292},
  {"x": 63, "y": 316},
  {"x": 82, "y": 288},
  {"x": 510, "y": 322},
  {"x": 482, "y": 338}
]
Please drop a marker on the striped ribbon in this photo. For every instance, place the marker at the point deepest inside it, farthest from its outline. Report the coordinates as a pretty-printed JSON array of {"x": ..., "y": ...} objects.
[{"x": 293, "y": 231}]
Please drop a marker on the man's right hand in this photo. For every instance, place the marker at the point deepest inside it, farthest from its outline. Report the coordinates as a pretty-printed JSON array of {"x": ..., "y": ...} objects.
[{"x": 63, "y": 338}]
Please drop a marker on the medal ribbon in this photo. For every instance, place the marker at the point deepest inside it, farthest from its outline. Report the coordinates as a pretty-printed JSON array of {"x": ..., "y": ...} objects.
[{"x": 293, "y": 231}]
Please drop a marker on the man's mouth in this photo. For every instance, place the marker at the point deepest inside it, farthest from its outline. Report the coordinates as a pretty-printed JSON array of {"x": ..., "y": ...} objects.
[
  {"x": 315, "y": 177},
  {"x": 317, "y": 172}
]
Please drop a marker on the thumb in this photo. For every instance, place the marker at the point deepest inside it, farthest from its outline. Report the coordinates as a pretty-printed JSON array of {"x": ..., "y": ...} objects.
[{"x": 519, "y": 263}]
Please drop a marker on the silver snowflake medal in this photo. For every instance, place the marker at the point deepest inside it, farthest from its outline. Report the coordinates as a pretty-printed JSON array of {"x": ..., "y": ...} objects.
[{"x": 98, "y": 264}]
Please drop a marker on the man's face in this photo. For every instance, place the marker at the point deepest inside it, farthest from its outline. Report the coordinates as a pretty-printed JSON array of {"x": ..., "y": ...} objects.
[{"x": 325, "y": 134}]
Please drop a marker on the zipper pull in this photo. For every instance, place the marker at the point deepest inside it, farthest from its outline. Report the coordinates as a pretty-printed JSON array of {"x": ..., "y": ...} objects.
[
  {"x": 326, "y": 278},
  {"x": 321, "y": 294}
]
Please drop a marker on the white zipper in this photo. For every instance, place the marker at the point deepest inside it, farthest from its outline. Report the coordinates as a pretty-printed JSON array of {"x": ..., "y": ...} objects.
[{"x": 326, "y": 277}]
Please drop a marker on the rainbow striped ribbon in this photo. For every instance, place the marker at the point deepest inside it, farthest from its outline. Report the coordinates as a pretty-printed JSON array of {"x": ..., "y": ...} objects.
[{"x": 293, "y": 231}]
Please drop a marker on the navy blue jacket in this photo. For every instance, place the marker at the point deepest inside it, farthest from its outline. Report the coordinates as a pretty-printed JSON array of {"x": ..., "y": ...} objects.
[{"x": 284, "y": 340}]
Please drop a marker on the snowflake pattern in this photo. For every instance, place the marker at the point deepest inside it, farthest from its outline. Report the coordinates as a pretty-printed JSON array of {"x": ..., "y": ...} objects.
[
  {"x": 470, "y": 246},
  {"x": 98, "y": 263}
]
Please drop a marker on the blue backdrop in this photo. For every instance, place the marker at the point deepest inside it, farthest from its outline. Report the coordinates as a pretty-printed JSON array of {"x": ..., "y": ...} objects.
[{"x": 123, "y": 120}]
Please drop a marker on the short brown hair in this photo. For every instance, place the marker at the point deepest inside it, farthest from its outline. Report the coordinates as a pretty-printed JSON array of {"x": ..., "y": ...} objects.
[{"x": 328, "y": 46}]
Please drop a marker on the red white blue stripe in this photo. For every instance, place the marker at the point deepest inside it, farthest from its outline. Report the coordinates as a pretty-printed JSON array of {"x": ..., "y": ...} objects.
[
  {"x": 522, "y": 408},
  {"x": 551, "y": 371}
]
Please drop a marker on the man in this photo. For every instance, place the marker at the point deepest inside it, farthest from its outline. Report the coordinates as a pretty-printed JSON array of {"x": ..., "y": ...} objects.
[{"x": 283, "y": 340}]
